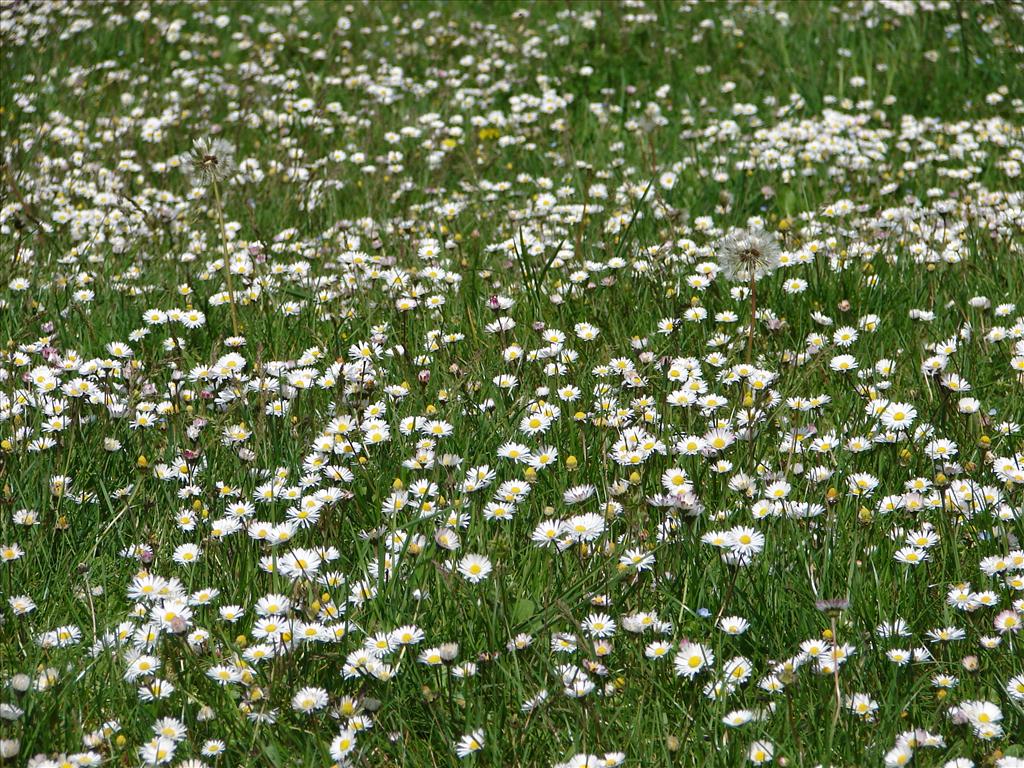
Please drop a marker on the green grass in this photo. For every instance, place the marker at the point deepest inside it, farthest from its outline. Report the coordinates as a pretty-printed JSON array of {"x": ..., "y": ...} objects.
[{"x": 769, "y": 110}]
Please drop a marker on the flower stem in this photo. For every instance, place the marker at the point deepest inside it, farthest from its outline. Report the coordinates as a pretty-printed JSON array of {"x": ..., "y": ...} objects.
[
  {"x": 835, "y": 671},
  {"x": 227, "y": 259},
  {"x": 753, "y": 313}
]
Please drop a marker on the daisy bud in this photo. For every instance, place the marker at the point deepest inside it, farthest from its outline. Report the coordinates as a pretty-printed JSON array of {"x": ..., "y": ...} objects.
[
  {"x": 371, "y": 705},
  {"x": 9, "y": 748},
  {"x": 20, "y": 683},
  {"x": 449, "y": 651}
]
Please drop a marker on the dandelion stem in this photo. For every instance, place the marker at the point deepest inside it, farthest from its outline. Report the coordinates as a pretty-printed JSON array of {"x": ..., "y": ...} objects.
[
  {"x": 227, "y": 258},
  {"x": 753, "y": 313}
]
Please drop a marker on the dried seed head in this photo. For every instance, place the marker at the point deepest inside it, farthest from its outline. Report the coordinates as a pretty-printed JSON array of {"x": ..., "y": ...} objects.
[{"x": 748, "y": 255}]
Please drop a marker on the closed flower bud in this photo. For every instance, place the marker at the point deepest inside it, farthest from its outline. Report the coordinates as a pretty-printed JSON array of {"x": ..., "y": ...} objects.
[
  {"x": 9, "y": 748},
  {"x": 20, "y": 683}
]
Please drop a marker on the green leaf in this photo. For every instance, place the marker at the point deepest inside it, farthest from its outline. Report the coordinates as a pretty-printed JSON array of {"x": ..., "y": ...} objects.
[{"x": 523, "y": 610}]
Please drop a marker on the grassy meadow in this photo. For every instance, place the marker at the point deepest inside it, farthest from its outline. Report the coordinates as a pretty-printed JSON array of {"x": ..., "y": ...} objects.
[{"x": 564, "y": 384}]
